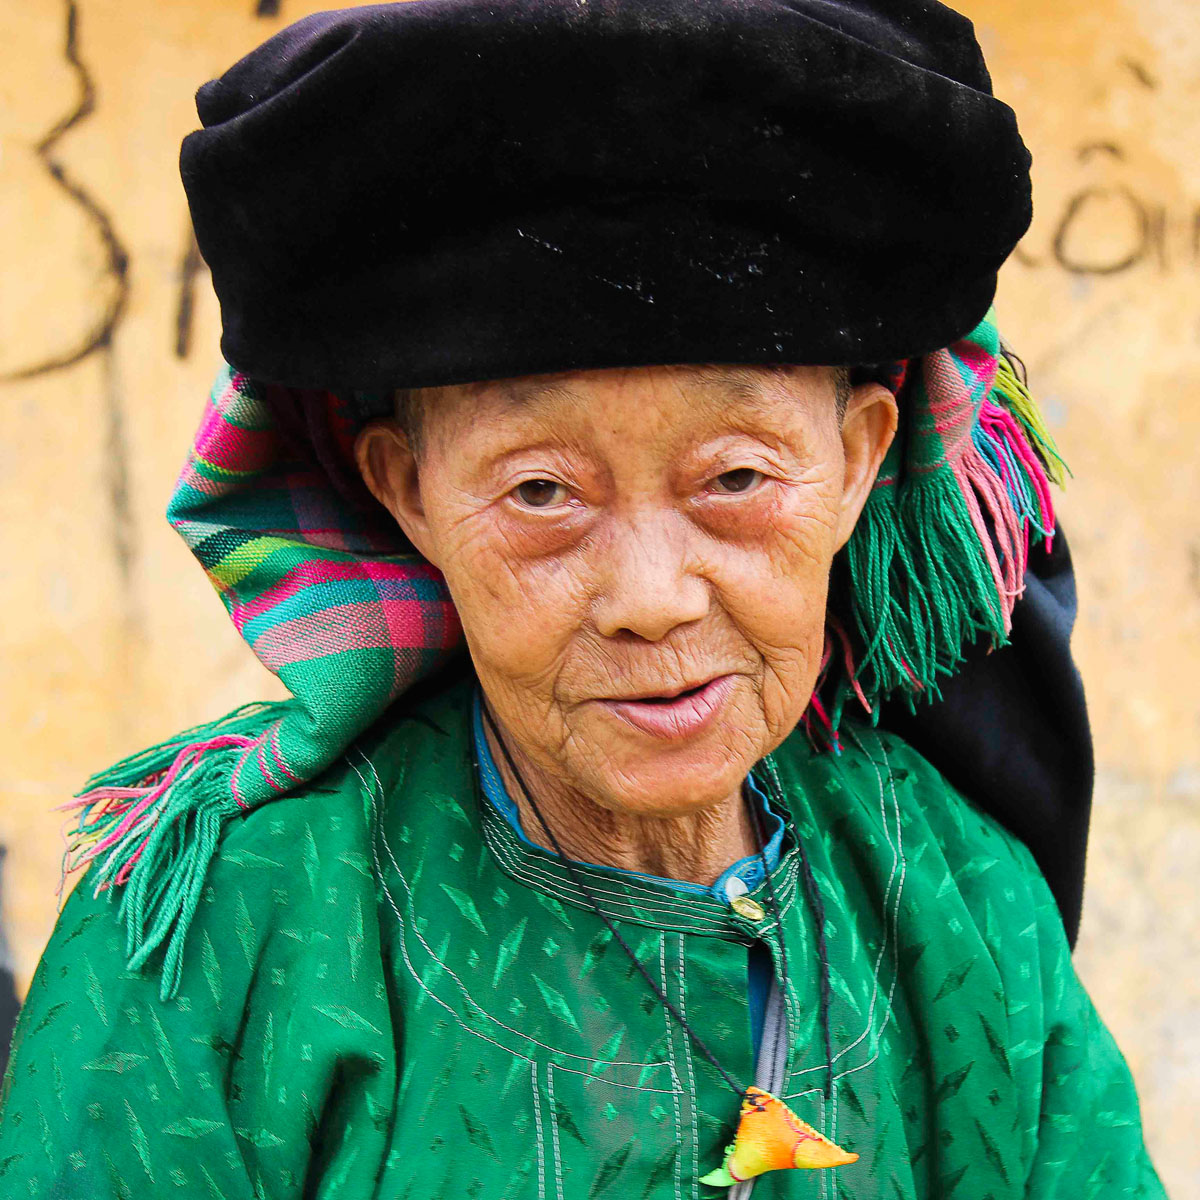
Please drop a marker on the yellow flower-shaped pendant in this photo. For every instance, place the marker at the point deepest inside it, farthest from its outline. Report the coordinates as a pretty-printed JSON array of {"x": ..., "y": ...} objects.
[{"x": 770, "y": 1137}]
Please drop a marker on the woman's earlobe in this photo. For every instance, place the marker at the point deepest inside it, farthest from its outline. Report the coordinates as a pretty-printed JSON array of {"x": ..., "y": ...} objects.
[
  {"x": 374, "y": 449},
  {"x": 868, "y": 427},
  {"x": 389, "y": 469}
]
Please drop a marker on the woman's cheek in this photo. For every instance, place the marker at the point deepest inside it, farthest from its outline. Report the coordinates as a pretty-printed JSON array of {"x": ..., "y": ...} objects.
[
  {"x": 777, "y": 574},
  {"x": 519, "y": 611},
  {"x": 742, "y": 520},
  {"x": 779, "y": 603}
]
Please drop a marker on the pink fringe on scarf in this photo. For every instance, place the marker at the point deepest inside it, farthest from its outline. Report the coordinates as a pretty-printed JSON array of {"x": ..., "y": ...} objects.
[
  {"x": 133, "y": 802},
  {"x": 983, "y": 488}
]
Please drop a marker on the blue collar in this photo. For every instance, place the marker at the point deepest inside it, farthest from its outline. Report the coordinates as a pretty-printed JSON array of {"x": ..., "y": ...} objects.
[{"x": 742, "y": 876}]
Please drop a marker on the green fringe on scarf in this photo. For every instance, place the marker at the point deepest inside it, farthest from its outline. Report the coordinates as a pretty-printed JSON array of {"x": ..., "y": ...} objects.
[{"x": 922, "y": 588}]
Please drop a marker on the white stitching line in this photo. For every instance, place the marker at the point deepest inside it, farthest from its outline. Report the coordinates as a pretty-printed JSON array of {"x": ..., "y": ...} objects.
[
  {"x": 537, "y": 1120},
  {"x": 462, "y": 987},
  {"x": 687, "y": 1058},
  {"x": 558, "y": 1173},
  {"x": 706, "y": 904},
  {"x": 671, "y": 1033},
  {"x": 673, "y": 1040},
  {"x": 529, "y": 870},
  {"x": 629, "y": 1087},
  {"x": 495, "y": 831},
  {"x": 528, "y": 857},
  {"x": 729, "y": 933},
  {"x": 890, "y": 926},
  {"x": 377, "y": 825},
  {"x": 403, "y": 924},
  {"x": 833, "y": 1115},
  {"x": 523, "y": 867},
  {"x": 890, "y": 937},
  {"x": 824, "y": 1174},
  {"x": 404, "y": 945},
  {"x": 895, "y": 913},
  {"x": 551, "y": 886}
]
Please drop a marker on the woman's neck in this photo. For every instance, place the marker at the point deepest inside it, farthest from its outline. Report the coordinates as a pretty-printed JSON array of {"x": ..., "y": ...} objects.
[{"x": 697, "y": 847}]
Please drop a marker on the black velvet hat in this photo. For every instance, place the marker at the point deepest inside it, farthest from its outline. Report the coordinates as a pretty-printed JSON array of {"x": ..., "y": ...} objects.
[{"x": 449, "y": 190}]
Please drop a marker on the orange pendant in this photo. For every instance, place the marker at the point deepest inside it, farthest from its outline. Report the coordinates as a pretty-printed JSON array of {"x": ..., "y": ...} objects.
[{"x": 770, "y": 1137}]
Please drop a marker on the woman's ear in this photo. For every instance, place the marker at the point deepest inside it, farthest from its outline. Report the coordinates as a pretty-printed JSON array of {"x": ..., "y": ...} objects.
[
  {"x": 868, "y": 426},
  {"x": 389, "y": 469}
]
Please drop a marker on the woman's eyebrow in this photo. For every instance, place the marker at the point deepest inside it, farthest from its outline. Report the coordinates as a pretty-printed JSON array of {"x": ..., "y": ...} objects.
[
  {"x": 520, "y": 395},
  {"x": 718, "y": 389},
  {"x": 742, "y": 383},
  {"x": 736, "y": 392}
]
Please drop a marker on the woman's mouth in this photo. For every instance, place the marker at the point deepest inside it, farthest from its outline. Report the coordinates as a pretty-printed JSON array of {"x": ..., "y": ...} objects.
[{"x": 676, "y": 716}]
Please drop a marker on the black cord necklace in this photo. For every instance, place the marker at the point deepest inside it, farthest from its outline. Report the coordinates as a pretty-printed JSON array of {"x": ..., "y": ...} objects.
[{"x": 769, "y": 1135}]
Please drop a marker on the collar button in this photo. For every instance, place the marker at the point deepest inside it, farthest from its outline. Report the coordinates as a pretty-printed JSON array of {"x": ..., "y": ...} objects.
[{"x": 744, "y": 906}]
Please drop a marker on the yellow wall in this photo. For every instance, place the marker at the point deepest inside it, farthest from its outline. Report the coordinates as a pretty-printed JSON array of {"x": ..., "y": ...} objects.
[{"x": 108, "y": 343}]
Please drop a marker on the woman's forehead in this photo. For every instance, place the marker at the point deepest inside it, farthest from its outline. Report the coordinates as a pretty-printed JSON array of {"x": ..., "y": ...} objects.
[{"x": 710, "y": 384}]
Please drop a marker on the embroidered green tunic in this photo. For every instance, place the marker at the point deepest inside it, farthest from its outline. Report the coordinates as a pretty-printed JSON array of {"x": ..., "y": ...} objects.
[{"x": 388, "y": 994}]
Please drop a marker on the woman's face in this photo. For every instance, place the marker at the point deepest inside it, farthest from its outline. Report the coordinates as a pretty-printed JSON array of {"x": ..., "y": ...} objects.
[{"x": 613, "y": 538}]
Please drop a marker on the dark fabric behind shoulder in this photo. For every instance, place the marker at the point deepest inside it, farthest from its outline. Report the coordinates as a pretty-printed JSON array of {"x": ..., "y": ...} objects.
[{"x": 1011, "y": 731}]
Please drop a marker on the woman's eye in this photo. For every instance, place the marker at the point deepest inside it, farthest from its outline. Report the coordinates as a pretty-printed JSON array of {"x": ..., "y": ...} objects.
[
  {"x": 742, "y": 479},
  {"x": 540, "y": 493}
]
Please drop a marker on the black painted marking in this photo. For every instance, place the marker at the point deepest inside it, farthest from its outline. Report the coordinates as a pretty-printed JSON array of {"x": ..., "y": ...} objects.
[
  {"x": 1076, "y": 205},
  {"x": 267, "y": 8},
  {"x": 1140, "y": 73},
  {"x": 1086, "y": 151},
  {"x": 189, "y": 268},
  {"x": 117, "y": 265},
  {"x": 116, "y": 476},
  {"x": 1021, "y": 255}
]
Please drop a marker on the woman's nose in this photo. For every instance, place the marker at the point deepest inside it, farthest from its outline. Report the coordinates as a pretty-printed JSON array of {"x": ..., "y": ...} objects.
[{"x": 649, "y": 581}]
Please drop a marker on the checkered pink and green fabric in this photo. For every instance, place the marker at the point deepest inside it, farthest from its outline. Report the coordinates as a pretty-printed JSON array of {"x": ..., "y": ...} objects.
[{"x": 321, "y": 585}]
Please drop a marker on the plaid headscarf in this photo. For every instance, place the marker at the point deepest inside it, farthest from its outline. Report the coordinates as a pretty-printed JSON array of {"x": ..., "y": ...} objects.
[{"x": 320, "y": 582}]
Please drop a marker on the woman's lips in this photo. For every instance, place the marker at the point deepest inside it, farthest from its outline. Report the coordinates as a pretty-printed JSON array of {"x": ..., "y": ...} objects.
[{"x": 678, "y": 717}]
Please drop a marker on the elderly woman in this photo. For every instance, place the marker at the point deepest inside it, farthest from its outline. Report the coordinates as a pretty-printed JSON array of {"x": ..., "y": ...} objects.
[{"x": 547, "y": 472}]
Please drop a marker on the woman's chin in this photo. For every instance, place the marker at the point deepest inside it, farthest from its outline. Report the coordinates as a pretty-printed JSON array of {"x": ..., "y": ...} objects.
[
  {"x": 669, "y": 784},
  {"x": 652, "y": 761}
]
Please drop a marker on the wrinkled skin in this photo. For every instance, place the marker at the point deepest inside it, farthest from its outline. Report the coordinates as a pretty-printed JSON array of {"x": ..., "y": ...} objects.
[{"x": 685, "y": 528}]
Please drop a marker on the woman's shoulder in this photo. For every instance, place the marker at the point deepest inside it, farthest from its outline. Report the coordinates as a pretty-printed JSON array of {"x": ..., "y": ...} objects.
[
  {"x": 871, "y": 762},
  {"x": 294, "y": 874},
  {"x": 880, "y": 790},
  {"x": 316, "y": 838},
  {"x": 295, "y": 865},
  {"x": 283, "y": 961},
  {"x": 289, "y": 894},
  {"x": 902, "y": 858}
]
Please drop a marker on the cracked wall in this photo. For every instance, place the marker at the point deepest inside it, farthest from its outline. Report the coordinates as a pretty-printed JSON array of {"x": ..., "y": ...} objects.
[{"x": 109, "y": 344}]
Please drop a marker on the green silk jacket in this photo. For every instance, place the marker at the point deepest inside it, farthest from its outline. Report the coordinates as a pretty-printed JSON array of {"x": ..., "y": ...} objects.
[{"x": 387, "y": 994}]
